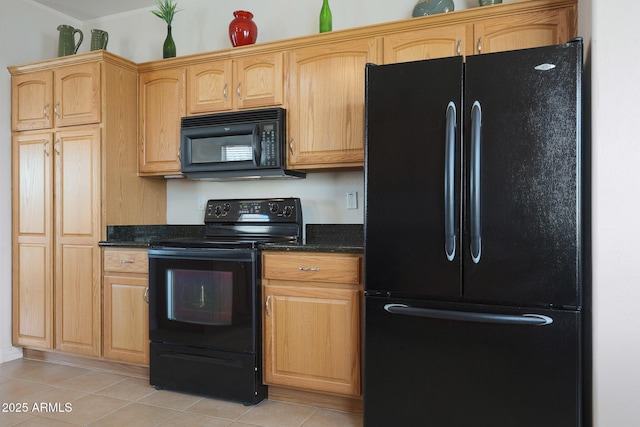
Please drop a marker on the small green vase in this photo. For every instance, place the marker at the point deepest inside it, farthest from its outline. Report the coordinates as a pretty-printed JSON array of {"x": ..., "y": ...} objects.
[{"x": 169, "y": 47}]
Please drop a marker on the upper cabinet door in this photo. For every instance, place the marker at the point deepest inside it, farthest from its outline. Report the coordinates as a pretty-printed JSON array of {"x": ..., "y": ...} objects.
[
  {"x": 531, "y": 29},
  {"x": 32, "y": 101},
  {"x": 430, "y": 43},
  {"x": 246, "y": 82},
  {"x": 161, "y": 105},
  {"x": 259, "y": 80},
  {"x": 77, "y": 94},
  {"x": 67, "y": 96},
  {"x": 210, "y": 87},
  {"x": 326, "y": 103}
]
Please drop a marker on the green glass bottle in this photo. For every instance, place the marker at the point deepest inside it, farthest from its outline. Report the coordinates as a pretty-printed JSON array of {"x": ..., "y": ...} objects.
[
  {"x": 325, "y": 17},
  {"x": 169, "y": 47}
]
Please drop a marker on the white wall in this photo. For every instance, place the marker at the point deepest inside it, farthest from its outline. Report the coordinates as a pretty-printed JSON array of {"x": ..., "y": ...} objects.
[{"x": 616, "y": 209}]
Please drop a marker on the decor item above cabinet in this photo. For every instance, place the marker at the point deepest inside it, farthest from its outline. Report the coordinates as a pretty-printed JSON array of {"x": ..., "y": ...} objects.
[{"x": 65, "y": 96}]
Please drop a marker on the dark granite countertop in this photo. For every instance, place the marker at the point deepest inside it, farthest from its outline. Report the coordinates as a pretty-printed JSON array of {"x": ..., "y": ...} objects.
[
  {"x": 139, "y": 236},
  {"x": 346, "y": 238}
]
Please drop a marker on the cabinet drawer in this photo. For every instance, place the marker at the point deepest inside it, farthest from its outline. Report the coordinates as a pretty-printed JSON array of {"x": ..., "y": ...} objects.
[
  {"x": 313, "y": 267},
  {"x": 126, "y": 260}
]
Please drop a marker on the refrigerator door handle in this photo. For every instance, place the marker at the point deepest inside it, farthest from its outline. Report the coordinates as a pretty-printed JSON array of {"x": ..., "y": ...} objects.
[
  {"x": 465, "y": 316},
  {"x": 449, "y": 183},
  {"x": 474, "y": 183}
]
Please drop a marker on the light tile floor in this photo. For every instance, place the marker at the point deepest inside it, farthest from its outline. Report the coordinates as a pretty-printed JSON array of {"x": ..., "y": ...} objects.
[{"x": 43, "y": 394}]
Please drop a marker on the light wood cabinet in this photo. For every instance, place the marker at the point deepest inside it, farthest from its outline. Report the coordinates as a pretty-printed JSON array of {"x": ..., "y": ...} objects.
[
  {"x": 33, "y": 240},
  {"x": 326, "y": 103},
  {"x": 521, "y": 31},
  {"x": 69, "y": 182},
  {"x": 428, "y": 43},
  {"x": 66, "y": 96},
  {"x": 126, "y": 311},
  {"x": 313, "y": 321},
  {"x": 247, "y": 82},
  {"x": 77, "y": 172},
  {"x": 161, "y": 106},
  {"x": 319, "y": 79},
  {"x": 56, "y": 237}
]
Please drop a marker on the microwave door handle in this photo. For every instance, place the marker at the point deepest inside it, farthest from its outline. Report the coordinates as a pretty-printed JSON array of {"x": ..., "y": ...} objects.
[{"x": 257, "y": 146}]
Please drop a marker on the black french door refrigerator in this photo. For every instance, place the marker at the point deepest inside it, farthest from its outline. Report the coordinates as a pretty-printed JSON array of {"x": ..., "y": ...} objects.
[{"x": 474, "y": 254}]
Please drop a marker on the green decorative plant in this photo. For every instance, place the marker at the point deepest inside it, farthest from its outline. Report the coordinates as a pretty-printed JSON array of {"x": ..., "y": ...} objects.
[{"x": 166, "y": 10}]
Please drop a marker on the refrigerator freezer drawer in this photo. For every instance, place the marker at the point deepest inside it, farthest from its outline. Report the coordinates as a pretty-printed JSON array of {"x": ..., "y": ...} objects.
[{"x": 447, "y": 365}]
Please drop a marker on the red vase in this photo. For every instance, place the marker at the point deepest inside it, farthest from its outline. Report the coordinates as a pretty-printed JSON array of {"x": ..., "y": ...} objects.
[{"x": 242, "y": 29}]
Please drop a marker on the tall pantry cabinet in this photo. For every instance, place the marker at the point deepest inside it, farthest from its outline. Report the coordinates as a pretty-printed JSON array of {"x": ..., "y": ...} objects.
[{"x": 74, "y": 123}]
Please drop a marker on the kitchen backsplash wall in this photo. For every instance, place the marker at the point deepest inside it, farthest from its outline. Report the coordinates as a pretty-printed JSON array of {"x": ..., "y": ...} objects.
[{"x": 323, "y": 196}]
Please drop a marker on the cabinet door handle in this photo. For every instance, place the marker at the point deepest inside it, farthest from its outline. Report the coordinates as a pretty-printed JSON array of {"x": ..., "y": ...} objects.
[
  {"x": 266, "y": 305},
  {"x": 46, "y": 114},
  {"x": 309, "y": 268},
  {"x": 291, "y": 146},
  {"x": 480, "y": 44},
  {"x": 224, "y": 92},
  {"x": 55, "y": 109},
  {"x": 459, "y": 47},
  {"x": 146, "y": 295},
  {"x": 56, "y": 146},
  {"x": 238, "y": 91},
  {"x": 127, "y": 261},
  {"x": 46, "y": 147}
]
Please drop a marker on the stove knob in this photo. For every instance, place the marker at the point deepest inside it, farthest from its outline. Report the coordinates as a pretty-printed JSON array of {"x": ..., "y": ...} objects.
[
  {"x": 227, "y": 207},
  {"x": 273, "y": 207},
  {"x": 288, "y": 210},
  {"x": 218, "y": 210}
]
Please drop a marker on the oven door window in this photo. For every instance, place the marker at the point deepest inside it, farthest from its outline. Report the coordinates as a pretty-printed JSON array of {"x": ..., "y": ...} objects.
[
  {"x": 203, "y": 302},
  {"x": 204, "y": 297}
]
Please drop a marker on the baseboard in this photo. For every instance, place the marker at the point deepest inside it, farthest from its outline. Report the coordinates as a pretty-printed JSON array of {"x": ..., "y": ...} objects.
[
  {"x": 141, "y": 371},
  {"x": 340, "y": 403},
  {"x": 8, "y": 354}
]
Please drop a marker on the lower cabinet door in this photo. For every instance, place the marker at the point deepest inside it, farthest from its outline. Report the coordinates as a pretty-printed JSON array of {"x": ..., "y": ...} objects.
[
  {"x": 312, "y": 338},
  {"x": 126, "y": 319}
]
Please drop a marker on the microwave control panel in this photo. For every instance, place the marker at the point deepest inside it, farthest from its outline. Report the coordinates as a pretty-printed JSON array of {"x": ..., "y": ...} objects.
[{"x": 268, "y": 146}]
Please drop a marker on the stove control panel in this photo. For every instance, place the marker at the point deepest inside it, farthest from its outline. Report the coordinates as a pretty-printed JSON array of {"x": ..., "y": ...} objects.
[{"x": 254, "y": 210}]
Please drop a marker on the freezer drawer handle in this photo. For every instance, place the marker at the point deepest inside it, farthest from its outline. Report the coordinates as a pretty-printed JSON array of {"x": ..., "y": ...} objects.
[
  {"x": 449, "y": 184},
  {"x": 474, "y": 183},
  {"x": 464, "y": 316}
]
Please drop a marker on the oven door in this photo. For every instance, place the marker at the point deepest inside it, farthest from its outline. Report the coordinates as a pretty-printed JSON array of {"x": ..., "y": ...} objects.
[{"x": 205, "y": 298}]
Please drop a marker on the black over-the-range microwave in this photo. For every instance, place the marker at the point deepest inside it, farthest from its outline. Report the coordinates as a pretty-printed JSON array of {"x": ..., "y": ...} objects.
[{"x": 235, "y": 145}]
